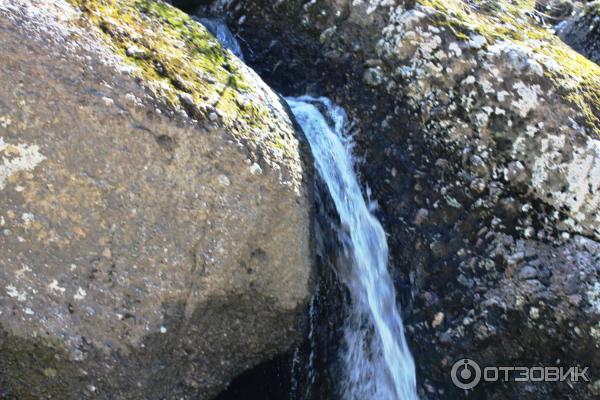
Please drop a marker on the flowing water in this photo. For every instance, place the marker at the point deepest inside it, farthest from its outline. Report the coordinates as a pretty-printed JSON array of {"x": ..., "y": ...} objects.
[
  {"x": 376, "y": 360},
  {"x": 377, "y": 363}
]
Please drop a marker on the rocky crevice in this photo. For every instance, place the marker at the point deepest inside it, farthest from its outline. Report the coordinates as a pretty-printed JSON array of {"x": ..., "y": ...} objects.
[{"x": 452, "y": 117}]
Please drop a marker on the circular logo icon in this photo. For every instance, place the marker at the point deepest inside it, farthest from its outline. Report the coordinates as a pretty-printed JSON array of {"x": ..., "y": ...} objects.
[{"x": 466, "y": 374}]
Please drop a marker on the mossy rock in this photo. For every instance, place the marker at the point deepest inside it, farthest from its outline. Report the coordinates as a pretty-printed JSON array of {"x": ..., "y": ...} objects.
[
  {"x": 184, "y": 66},
  {"x": 577, "y": 78},
  {"x": 145, "y": 254}
]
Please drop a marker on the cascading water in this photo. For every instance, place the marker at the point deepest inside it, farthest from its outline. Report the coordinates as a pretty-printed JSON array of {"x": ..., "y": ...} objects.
[{"x": 376, "y": 360}]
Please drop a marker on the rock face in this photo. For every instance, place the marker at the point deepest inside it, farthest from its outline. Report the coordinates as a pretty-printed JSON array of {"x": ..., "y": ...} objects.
[
  {"x": 479, "y": 129},
  {"x": 154, "y": 228},
  {"x": 582, "y": 32}
]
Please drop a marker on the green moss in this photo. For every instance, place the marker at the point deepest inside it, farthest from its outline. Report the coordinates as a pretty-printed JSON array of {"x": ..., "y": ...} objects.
[
  {"x": 173, "y": 44},
  {"x": 577, "y": 78},
  {"x": 175, "y": 55}
]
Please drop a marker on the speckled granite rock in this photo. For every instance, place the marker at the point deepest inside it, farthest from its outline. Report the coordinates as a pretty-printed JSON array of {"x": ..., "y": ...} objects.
[
  {"x": 479, "y": 130},
  {"x": 154, "y": 219}
]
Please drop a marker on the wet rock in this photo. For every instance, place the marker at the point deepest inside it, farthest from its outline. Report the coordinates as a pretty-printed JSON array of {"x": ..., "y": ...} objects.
[
  {"x": 582, "y": 32},
  {"x": 514, "y": 111},
  {"x": 555, "y": 11}
]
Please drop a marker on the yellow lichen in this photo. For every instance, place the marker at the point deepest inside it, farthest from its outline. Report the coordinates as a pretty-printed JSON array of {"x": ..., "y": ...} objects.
[
  {"x": 177, "y": 57},
  {"x": 576, "y": 78}
]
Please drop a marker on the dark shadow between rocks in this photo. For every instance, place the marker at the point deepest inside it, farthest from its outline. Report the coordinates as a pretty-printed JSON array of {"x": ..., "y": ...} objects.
[{"x": 190, "y": 6}]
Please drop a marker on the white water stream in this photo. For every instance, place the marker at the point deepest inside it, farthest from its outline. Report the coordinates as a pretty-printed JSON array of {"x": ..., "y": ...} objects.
[{"x": 377, "y": 362}]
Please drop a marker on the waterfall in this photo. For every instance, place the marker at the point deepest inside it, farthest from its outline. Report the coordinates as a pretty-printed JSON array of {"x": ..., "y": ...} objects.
[{"x": 376, "y": 360}]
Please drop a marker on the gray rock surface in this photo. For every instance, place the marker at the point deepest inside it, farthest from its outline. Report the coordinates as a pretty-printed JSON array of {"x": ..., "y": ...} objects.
[
  {"x": 481, "y": 116},
  {"x": 143, "y": 253}
]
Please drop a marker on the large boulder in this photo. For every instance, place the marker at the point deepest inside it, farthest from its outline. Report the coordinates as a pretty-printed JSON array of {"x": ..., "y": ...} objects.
[
  {"x": 480, "y": 133},
  {"x": 154, "y": 219}
]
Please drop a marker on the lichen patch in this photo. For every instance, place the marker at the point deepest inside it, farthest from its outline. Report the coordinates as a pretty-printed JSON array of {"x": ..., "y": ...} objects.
[{"x": 17, "y": 158}]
